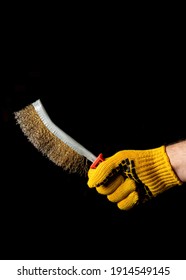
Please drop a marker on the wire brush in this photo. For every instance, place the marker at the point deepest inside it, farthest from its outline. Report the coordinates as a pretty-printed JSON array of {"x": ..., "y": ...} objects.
[{"x": 53, "y": 142}]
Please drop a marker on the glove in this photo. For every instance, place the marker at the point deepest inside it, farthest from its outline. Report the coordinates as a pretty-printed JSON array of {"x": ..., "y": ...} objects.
[{"x": 133, "y": 176}]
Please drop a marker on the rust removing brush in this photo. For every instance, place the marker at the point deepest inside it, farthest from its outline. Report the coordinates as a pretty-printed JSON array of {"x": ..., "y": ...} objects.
[{"x": 53, "y": 142}]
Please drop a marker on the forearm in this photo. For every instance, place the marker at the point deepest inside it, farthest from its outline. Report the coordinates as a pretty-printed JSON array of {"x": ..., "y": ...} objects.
[{"x": 177, "y": 156}]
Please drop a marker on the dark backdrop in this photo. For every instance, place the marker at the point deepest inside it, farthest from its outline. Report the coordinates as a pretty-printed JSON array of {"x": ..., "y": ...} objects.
[{"x": 109, "y": 95}]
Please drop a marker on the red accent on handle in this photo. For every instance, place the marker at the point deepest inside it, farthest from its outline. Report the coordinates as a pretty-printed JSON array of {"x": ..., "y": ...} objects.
[{"x": 99, "y": 159}]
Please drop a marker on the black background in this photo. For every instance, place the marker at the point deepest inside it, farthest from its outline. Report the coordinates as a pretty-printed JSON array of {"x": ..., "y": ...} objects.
[{"x": 110, "y": 91}]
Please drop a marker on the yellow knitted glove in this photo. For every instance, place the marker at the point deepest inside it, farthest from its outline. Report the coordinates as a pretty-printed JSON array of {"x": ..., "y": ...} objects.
[{"x": 133, "y": 176}]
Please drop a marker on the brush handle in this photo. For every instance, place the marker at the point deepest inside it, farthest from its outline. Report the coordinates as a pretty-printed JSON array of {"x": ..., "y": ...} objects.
[{"x": 97, "y": 161}]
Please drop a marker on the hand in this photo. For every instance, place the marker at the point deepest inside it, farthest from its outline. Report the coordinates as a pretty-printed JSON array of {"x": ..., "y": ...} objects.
[{"x": 133, "y": 176}]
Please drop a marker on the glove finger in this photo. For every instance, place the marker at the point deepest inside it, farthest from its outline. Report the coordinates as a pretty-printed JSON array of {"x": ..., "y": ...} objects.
[
  {"x": 90, "y": 175},
  {"x": 103, "y": 173},
  {"x": 128, "y": 186},
  {"x": 130, "y": 201},
  {"x": 112, "y": 186}
]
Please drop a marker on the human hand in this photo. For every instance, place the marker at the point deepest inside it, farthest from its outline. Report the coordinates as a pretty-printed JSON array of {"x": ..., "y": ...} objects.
[{"x": 133, "y": 176}]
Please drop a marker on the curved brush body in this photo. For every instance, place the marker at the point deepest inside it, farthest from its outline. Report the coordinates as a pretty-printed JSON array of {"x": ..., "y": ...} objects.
[{"x": 53, "y": 142}]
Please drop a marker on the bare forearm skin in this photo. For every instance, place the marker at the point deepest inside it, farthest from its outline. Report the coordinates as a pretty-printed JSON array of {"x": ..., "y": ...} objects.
[{"x": 177, "y": 156}]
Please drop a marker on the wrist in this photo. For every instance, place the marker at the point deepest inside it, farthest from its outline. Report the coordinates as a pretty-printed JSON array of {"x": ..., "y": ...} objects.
[{"x": 177, "y": 155}]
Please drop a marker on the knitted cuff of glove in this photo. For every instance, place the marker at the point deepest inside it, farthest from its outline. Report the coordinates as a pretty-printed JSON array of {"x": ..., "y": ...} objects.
[{"x": 155, "y": 171}]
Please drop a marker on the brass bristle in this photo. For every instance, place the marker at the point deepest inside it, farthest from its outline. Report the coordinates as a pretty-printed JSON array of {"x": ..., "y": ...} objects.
[{"x": 49, "y": 144}]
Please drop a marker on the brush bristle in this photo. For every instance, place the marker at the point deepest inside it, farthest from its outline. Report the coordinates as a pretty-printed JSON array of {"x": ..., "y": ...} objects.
[{"x": 48, "y": 144}]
